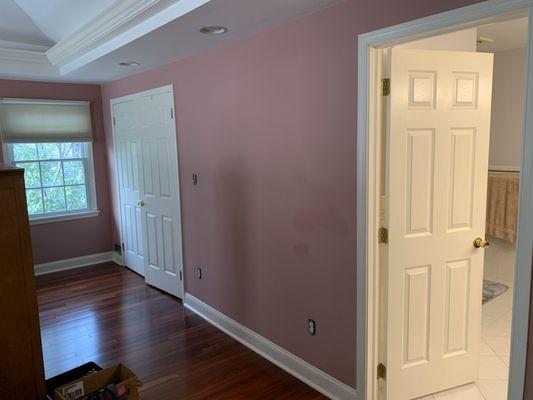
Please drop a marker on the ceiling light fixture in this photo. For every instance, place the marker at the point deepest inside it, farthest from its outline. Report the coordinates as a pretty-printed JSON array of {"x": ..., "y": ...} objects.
[
  {"x": 129, "y": 64},
  {"x": 214, "y": 30}
]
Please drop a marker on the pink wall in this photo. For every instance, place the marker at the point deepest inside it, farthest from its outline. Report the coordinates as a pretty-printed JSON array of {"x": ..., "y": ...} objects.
[
  {"x": 60, "y": 240},
  {"x": 269, "y": 125}
]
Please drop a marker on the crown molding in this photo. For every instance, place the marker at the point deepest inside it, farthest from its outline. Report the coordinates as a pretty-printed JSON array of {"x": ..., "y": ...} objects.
[
  {"x": 27, "y": 57},
  {"x": 123, "y": 22},
  {"x": 7, "y": 44},
  {"x": 99, "y": 28},
  {"x": 26, "y": 64}
]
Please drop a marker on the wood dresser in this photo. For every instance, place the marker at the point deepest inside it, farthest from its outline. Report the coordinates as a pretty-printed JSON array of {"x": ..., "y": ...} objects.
[{"x": 21, "y": 360}]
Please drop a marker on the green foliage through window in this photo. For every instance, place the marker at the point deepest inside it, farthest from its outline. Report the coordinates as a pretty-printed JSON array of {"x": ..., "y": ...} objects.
[{"x": 54, "y": 174}]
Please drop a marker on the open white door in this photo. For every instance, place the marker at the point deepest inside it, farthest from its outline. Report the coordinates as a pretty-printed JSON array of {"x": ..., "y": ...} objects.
[
  {"x": 127, "y": 145},
  {"x": 153, "y": 157},
  {"x": 160, "y": 192},
  {"x": 437, "y": 152}
]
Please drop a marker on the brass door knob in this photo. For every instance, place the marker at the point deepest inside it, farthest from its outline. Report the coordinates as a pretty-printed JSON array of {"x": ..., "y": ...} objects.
[
  {"x": 140, "y": 203},
  {"x": 478, "y": 242}
]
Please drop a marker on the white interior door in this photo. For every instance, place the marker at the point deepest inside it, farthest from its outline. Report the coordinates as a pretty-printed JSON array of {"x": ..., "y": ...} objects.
[
  {"x": 437, "y": 147},
  {"x": 157, "y": 202},
  {"x": 160, "y": 192},
  {"x": 127, "y": 147}
]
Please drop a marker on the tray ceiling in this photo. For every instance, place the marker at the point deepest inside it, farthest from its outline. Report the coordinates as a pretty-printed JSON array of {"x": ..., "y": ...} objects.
[{"x": 84, "y": 41}]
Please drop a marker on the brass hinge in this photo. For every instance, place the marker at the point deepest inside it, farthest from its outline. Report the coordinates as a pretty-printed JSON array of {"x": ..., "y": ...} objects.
[
  {"x": 114, "y": 122},
  {"x": 381, "y": 371},
  {"x": 385, "y": 86},
  {"x": 171, "y": 113},
  {"x": 383, "y": 235},
  {"x": 181, "y": 276}
]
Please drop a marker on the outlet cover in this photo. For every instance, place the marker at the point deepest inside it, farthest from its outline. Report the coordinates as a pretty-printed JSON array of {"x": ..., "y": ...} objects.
[{"x": 311, "y": 327}]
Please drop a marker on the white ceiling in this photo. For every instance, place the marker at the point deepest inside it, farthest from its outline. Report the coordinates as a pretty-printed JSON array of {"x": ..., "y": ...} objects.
[
  {"x": 507, "y": 35},
  {"x": 94, "y": 36},
  {"x": 58, "y": 19},
  {"x": 17, "y": 27}
]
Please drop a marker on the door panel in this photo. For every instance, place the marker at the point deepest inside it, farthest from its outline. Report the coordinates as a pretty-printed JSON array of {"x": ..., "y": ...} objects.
[
  {"x": 456, "y": 302},
  {"x": 129, "y": 184},
  {"x": 168, "y": 245},
  {"x": 416, "y": 315},
  {"x": 419, "y": 182},
  {"x": 462, "y": 167},
  {"x": 161, "y": 194},
  {"x": 437, "y": 144}
]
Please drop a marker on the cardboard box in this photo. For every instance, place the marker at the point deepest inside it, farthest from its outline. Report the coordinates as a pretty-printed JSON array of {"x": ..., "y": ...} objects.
[{"x": 118, "y": 374}]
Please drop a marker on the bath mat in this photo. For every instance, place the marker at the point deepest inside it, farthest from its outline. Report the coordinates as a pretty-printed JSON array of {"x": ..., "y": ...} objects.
[{"x": 491, "y": 290}]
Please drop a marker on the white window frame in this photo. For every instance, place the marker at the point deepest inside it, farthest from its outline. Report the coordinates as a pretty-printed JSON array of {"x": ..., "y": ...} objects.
[{"x": 92, "y": 207}]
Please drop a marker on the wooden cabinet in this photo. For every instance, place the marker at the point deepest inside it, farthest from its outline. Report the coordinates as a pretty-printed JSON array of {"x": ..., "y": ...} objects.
[{"x": 21, "y": 360}]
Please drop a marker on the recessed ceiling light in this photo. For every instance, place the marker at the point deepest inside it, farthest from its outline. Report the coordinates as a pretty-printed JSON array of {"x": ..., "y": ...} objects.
[
  {"x": 214, "y": 30},
  {"x": 129, "y": 64}
]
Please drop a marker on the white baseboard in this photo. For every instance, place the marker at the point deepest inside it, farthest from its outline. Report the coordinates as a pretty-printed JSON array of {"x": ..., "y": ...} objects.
[
  {"x": 317, "y": 379},
  {"x": 116, "y": 258},
  {"x": 77, "y": 262}
]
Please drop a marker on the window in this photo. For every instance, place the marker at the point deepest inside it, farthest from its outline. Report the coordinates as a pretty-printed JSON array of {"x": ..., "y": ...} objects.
[
  {"x": 58, "y": 176},
  {"x": 52, "y": 141}
]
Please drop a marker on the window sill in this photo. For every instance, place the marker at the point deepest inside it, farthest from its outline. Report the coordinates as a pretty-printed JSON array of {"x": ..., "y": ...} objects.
[{"x": 63, "y": 217}]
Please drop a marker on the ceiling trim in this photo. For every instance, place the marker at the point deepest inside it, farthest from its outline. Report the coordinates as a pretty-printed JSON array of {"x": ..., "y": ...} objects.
[
  {"x": 34, "y": 63},
  {"x": 103, "y": 25},
  {"x": 35, "y": 58},
  {"x": 112, "y": 29}
]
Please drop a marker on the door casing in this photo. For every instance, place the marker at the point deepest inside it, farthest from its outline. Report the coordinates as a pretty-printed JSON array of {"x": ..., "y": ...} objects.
[
  {"x": 369, "y": 175},
  {"x": 162, "y": 89}
]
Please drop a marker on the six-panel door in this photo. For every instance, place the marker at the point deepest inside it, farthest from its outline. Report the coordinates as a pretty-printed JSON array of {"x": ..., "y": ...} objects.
[
  {"x": 437, "y": 147},
  {"x": 126, "y": 121}
]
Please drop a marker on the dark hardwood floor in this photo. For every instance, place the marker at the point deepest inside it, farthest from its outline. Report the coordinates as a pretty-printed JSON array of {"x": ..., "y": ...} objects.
[{"x": 107, "y": 314}]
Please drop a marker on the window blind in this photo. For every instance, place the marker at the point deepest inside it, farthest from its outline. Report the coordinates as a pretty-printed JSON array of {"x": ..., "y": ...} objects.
[{"x": 38, "y": 121}]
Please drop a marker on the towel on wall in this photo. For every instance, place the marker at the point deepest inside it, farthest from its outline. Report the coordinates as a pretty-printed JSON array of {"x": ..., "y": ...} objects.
[{"x": 502, "y": 205}]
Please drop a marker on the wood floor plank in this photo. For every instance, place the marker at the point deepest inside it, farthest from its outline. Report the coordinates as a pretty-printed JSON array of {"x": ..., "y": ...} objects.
[{"x": 107, "y": 314}]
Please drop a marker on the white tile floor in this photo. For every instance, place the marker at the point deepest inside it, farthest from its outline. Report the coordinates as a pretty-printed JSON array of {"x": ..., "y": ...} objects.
[{"x": 495, "y": 331}]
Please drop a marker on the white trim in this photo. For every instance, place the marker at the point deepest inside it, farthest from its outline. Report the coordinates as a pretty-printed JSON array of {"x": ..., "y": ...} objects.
[
  {"x": 504, "y": 168},
  {"x": 25, "y": 57},
  {"x": 76, "y": 262},
  {"x": 115, "y": 27},
  {"x": 9, "y": 44},
  {"x": 161, "y": 89},
  {"x": 30, "y": 62},
  {"x": 16, "y": 100},
  {"x": 108, "y": 21},
  {"x": 64, "y": 217},
  {"x": 118, "y": 210},
  {"x": 312, "y": 376},
  {"x": 116, "y": 258},
  {"x": 367, "y": 202}
]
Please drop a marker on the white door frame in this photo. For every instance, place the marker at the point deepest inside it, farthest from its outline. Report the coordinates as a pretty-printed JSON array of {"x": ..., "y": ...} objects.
[
  {"x": 368, "y": 178},
  {"x": 112, "y": 102}
]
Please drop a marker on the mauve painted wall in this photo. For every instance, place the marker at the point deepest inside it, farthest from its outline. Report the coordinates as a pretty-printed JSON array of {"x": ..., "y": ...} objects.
[
  {"x": 60, "y": 240},
  {"x": 269, "y": 125}
]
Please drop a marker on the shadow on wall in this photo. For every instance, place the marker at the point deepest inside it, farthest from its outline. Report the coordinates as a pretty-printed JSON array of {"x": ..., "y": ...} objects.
[
  {"x": 234, "y": 231},
  {"x": 329, "y": 218}
]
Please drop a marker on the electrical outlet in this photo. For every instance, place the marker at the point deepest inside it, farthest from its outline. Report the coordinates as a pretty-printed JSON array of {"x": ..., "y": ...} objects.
[
  {"x": 311, "y": 327},
  {"x": 195, "y": 179},
  {"x": 199, "y": 272}
]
